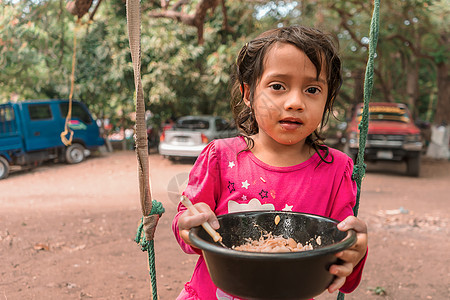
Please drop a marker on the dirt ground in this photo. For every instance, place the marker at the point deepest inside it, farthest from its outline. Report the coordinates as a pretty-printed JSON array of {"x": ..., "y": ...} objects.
[{"x": 67, "y": 232}]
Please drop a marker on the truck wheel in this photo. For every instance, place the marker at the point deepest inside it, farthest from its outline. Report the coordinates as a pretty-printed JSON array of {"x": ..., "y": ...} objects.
[
  {"x": 75, "y": 154},
  {"x": 4, "y": 168},
  {"x": 413, "y": 166}
]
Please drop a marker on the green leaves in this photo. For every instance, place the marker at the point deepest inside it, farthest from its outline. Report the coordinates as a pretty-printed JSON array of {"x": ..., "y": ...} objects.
[{"x": 181, "y": 77}]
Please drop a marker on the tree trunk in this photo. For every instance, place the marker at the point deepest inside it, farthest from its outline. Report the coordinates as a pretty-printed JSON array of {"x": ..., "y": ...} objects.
[
  {"x": 384, "y": 78},
  {"x": 358, "y": 89},
  {"x": 320, "y": 18},
  {"x": 388, "y": 78},
  {"x": 442, "y": 115},
  {"x": 439, "y": 146},
  {"x": 412, "y": 84}
]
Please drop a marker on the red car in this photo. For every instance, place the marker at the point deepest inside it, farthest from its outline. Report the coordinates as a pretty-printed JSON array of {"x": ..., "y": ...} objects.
[{"x": 392, "y": 135}]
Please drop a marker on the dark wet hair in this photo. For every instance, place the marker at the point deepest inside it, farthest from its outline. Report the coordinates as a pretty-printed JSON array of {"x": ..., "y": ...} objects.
[{"x": 319, "y": 47}]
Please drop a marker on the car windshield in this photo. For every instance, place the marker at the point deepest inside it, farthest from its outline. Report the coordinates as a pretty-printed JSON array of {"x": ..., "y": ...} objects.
[
  {"x": 192, "y": 124},
  {"x": 387, "y": 113}
]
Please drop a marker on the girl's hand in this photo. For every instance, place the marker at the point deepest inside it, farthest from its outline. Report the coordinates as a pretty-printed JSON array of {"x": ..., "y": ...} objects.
[
  {"x": 187, "y": 220},
  {"x": 353, "y": 255}
]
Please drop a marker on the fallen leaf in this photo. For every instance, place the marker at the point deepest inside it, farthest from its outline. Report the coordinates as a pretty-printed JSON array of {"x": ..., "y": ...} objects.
[{"x": 41, "y": 246}]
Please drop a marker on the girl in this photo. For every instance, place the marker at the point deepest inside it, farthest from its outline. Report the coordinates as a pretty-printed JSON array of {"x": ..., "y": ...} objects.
[{"x": 285, "y": 84}]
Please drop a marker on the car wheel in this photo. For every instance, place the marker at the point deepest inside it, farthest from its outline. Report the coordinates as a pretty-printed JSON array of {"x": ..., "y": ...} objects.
[
  {"x": 4, "y": 168},
  {"x": 413, "y": 166},
  {"x": 75, "y": 154}
]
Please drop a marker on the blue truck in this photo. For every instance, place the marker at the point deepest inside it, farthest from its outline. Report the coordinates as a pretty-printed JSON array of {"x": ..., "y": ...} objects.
[{"x": 30, "y": 133}]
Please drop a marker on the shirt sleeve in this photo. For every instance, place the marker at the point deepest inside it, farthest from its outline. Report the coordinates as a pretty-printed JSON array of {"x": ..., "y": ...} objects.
[
  {"x": 343, "y": 207},
  {"x": 345, "y": 195},
  {"x": 203, "y": 186}
]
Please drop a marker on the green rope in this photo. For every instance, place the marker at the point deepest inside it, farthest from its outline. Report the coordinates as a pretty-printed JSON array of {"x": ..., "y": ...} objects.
[
  {"x": 140, "y": 239},
  {"x": 360, "y": 167}
]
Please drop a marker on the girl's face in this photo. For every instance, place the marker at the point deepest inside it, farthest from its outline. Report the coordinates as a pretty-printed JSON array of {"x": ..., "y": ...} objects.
[{"x": 289, "y": 100}]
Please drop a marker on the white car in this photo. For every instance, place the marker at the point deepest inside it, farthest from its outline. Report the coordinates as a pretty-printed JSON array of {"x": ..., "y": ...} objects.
[{"x": 190, "y": 135}]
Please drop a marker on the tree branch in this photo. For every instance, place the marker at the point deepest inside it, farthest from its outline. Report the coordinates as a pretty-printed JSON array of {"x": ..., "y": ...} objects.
[
  {"x": 410, "y": 45},
  {"x": 91, "y": 16},
  {"x": 180, "y": 3},
  {"x": 344, "y": 23},
  {"x": 225, "y": 25},
  {"x": 78, "y": 7},
  {"x": 197, "y": 19},
  {"x": 175, "y": 15}
]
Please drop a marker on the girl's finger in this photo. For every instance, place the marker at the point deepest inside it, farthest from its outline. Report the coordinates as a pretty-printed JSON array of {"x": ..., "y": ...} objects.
[
  {"x": 349, "y": 256},
  {"x": 211, "y": 216},
  {"x": 342, "y": 270},
  {"x": 184, "y": 234},
  {"x": 351, "y": 222},
  {"x": 188, "y": 220},
  {"x": 336, "y": 284}
]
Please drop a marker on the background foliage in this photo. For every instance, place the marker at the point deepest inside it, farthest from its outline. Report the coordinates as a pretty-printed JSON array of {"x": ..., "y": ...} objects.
[{"x": 181, "y": 76}]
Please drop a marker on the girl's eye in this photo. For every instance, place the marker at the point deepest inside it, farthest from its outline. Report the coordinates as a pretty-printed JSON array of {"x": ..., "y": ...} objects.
[
  {"x": 277, "y": 86},
  {"x": 313, "y": 90}
]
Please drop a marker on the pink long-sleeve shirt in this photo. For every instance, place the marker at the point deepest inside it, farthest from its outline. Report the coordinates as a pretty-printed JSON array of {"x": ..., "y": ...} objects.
[{"x": 231, "y": 181}]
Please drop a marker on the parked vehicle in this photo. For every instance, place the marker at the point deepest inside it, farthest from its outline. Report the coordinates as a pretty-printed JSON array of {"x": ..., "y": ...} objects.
[
  {"x": 30, "y": 133},
  {"x": 190, "y": 135},
  {"x": 152, "y": 138},
  {"x": 392, "y": 135}
]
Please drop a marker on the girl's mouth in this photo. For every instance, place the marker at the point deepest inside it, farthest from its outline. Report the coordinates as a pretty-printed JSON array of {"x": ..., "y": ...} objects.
[{"x": 290, "y": 123}]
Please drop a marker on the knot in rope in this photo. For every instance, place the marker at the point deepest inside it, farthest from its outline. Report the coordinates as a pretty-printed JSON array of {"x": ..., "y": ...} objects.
[
  {"x": 157, "y": 208},
  {"x": 144, "y": 238},
  {"x": 147, "y": 226},
  {"x": 359, "y": 173}
]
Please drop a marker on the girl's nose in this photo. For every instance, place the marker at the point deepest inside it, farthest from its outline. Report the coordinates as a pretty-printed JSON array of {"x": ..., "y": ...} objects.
[{"x": 294, "y": 101}]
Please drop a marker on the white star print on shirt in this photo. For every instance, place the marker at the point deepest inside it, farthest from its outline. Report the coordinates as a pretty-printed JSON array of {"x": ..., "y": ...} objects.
[
  {"x": 288, "y": 208},
  {"x": 245, "y": 184},
  {"x": 231, "y": 164}
]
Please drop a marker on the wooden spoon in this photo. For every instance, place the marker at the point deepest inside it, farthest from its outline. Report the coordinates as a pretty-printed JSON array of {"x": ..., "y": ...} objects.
[{"x": 214, "y": 234}]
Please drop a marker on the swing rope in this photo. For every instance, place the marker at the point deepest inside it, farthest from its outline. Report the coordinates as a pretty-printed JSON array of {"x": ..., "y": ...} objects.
[
  {"x": 147, "y": 244},
  {"x": 359, "y": 169},
  {"x": 67, "y": 129},
  {"x": 151, "y": 209}
]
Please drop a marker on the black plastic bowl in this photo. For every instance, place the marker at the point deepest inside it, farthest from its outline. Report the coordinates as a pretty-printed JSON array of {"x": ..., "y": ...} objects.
[{"x": 293, "y": 275}]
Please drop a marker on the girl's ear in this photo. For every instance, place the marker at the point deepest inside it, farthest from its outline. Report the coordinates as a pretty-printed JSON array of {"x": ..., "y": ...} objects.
[{"x": 246, "y": 94}]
